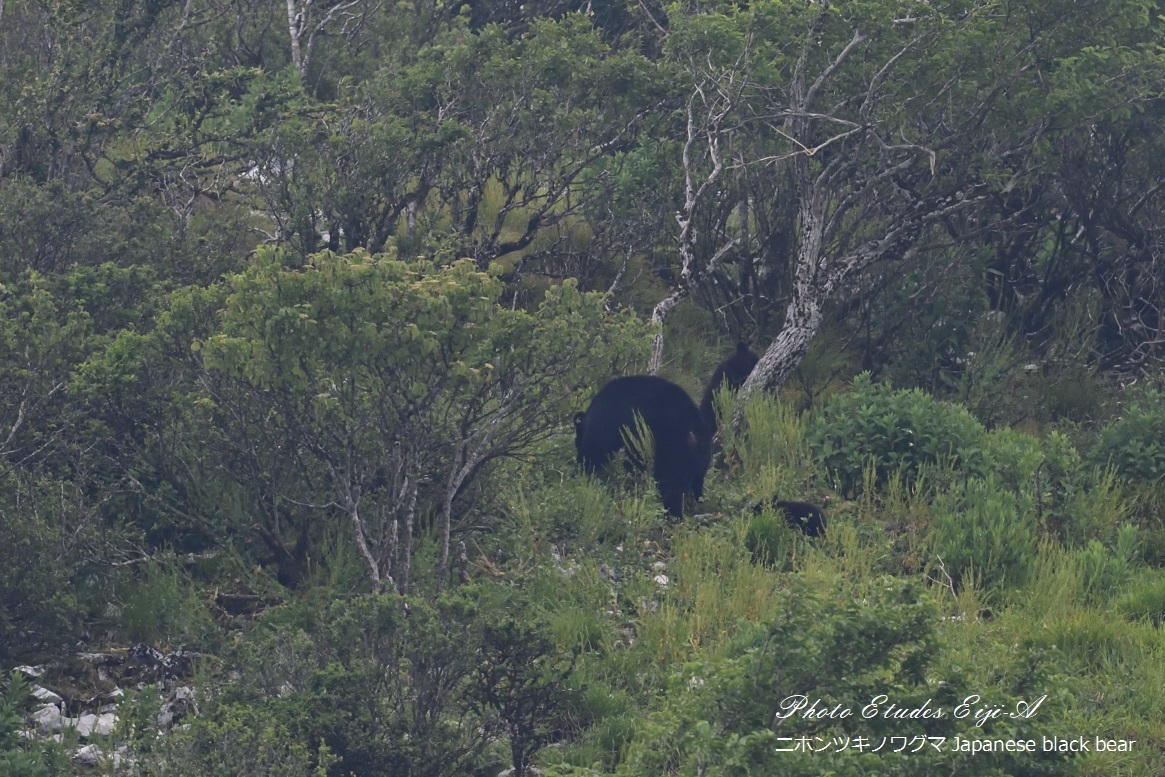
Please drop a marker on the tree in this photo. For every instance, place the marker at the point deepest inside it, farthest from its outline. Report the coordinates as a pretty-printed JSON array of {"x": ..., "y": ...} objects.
[
  {"x": 388, "y": 387},
  {"x": 502, "y": 142},
  {"x": 307, "y": 20},
  {"x": 522, "y": 678},
  {"x": 822, "y": 140}
]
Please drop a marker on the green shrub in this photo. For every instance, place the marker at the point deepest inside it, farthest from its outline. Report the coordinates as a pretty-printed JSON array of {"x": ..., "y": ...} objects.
[
  {"x": 238, "y": 738},
  {"x": 768, "y": 538},
  {"x": 1070, "y": 392},
  {"x": 1050, "y": 472},
  {"x": 984, "y": 531},
  {"x": 1104, "y": 570},
  {"x": 368, "y": 685},
  {"x": 50, "y": 536},
  {"x": 20, "y": 757},
  {"x": 720, "y": 715},
  {"x": 899, "y": 431},
  {"x": 1144, "y": 600},
  {"x": 1025, "y": 463},
  {"x": 1135, "y": 443},
  {"x": 162, "y": 606},
  {"x": 1095, "y": 511}
]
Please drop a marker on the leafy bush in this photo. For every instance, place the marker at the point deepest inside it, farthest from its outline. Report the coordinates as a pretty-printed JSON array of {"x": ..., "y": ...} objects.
[
  {"x": 1018, "y": 460},
  {"x": 162, "y": 606},
  {"x": 1145, "y": 599},
  {"x": 50, "y": 534},
  {"x": 844, "y": 649},
  {"x": 522, "y": 678},
  {"x": 1135, "y": 443},
  {"x": 370, "y": 685},
  {"x": 1050, "y": 472},
  {"x": 237, "y": 739},
  {"x": 398, "y": 384},
  {"x": 768, "y": 538},
  {"x": 899, "y": 431},
  {"x": 983, "y": 530},
  {"x": 1104, "y": 570},
  {"x": 20, "y": 757}
]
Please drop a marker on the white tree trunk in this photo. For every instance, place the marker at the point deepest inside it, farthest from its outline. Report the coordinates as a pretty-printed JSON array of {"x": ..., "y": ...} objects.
[{"x": 295, "y": 25}]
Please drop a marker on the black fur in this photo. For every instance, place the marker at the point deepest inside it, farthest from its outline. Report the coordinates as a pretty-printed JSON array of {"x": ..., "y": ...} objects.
[
  {"x": 808, "y": 518},
  {"x": 734, "y": 371},
  {"x": 683, "y": 441},
  {"x": 682, "y": 432}
]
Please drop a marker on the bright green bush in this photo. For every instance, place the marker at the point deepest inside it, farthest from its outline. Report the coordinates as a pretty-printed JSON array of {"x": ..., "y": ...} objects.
[
  {"x": 1144, "y": 600},
  {"x": 1135, "y": 443},
  {"x": 1105, "y": 570},
  {"x": 986, "y": 531},
  {"x": 1071, "y": 502},
  {"x": 768, "y": 538},
  {"x": 1022, "y": 462},
  {"x": 898, "y": 431},
  {"x": 397, "y": 383}
]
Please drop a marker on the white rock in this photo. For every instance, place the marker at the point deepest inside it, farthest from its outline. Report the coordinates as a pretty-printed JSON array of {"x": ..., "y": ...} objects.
[
  {"x": 121, "y": 757},
  {"x": 30, "y": 671},
  {"x": 83, "y": 724},
  {"x": 106, "y": 722},
  {"x": 660, "y": 580},
  {"x": 45, "y": 696},
  {"x": 659, "y": 566},
  {"x": 90, "y": 755},
  {"x": 48, "y": 719},
  {"x": 89, "y": 724}
]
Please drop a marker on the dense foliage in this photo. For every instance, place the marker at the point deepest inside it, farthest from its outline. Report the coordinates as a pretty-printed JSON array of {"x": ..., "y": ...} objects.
[
  {"x": 297, "y": 301},
  {"x": 894, "y": 432}
]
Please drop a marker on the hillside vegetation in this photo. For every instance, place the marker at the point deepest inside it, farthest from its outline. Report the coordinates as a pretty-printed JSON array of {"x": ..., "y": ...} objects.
[{"x": 298, "y": 300}]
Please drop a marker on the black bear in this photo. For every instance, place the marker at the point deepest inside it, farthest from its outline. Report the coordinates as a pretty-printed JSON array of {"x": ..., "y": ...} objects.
[
  {"x": 683, "y": 441},
  {"x": 734, "y": 371},
  {"x": 808, "y": 518},
  {"x": 682, "y": 432}
]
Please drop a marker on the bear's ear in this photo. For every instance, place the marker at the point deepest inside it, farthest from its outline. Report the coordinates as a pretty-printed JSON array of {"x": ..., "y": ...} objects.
[{"x": 742, "y": 347}]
